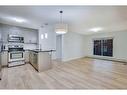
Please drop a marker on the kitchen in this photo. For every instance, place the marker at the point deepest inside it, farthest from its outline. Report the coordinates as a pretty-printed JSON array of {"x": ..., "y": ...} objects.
[
  {"x": 60, "y": 47},
  {"x": 20, "y": 46}
]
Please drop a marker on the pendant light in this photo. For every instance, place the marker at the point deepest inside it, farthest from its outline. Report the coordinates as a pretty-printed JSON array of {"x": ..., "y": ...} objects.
[{"x": 61, "y": 28}]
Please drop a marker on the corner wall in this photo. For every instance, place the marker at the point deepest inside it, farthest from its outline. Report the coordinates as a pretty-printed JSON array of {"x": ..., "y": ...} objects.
[
  {"x": 48, "y": 43},
  {"x": 72, "y": 43},
  {"x": 73, "y": 46}
]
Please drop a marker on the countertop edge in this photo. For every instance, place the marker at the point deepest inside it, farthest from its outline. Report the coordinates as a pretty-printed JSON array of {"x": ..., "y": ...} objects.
[
  {"x": 33, "y": 50},
  {"x": 40, "y": 50}
]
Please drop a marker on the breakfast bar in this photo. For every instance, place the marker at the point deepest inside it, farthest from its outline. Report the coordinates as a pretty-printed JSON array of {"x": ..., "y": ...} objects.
[{"x": 41, "y": 59}]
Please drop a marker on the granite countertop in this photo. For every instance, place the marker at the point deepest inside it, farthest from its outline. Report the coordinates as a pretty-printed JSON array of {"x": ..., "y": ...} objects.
[
  {"x": 39, "y": 50},
  {"x": 35, "y": 50}
]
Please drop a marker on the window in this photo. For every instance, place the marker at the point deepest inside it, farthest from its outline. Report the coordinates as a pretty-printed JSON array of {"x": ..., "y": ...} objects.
[{"x": 103, "y": 47}]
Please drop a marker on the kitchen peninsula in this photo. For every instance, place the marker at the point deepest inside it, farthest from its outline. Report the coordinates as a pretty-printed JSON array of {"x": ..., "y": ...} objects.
[{"x": 40, "y": 59}]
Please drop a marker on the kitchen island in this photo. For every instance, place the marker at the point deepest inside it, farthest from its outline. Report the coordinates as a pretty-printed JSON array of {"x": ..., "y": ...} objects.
[{"x": 41, "y": 59}]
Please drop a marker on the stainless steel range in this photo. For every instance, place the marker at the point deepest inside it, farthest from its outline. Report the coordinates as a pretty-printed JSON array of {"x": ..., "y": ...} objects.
[{"x": 15, "y": 55}]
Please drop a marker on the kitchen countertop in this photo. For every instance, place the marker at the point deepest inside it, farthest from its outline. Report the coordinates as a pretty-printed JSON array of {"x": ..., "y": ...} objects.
[
  {"x": 4, "y": 50},
  {"x": 35, "y": 50},
  {"x": 38, "y": 50}
]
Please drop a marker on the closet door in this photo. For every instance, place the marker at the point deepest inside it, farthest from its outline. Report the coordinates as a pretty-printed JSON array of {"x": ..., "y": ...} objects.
[{"x": 97, "y": 47}]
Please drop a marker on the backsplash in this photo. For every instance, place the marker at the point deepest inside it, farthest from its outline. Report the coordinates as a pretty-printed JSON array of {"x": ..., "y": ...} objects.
[{"x": 26, "y": 46}]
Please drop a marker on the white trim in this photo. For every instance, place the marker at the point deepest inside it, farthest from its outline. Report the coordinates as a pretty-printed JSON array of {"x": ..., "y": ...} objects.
[
  {"x": 108, "y": 58},
  {"x": 102, "y": 38}
]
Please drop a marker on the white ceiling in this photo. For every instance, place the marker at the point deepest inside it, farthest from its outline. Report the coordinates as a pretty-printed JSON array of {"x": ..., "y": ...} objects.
[{"x": 79, "y": 18}]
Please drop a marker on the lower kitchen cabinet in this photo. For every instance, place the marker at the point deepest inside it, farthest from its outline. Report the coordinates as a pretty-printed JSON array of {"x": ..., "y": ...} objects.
[
  {"x": 41, "y": 61},
  {"x": 4, "y": 58}
]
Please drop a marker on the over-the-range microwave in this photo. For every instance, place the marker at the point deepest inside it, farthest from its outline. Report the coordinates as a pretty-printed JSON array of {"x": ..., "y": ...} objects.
[{"x": 15, "y": 38}]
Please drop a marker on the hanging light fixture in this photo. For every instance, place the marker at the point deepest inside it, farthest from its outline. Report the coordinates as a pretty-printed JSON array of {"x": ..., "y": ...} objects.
[{"x": 61, "y": 28}]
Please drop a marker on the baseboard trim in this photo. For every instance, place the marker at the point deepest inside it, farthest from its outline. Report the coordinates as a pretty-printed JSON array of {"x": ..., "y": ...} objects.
[
  {"x": 107, "y": 58},
  {"x": 4, "y": 66},
  {"x": 73, "y": 59}
]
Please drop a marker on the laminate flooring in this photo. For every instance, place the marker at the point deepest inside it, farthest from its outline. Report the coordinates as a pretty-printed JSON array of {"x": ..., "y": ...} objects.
[{"x": 84, "y": 73}]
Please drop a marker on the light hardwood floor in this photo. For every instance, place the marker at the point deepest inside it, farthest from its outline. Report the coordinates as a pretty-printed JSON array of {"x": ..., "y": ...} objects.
[{"x": 82, "y": 73}]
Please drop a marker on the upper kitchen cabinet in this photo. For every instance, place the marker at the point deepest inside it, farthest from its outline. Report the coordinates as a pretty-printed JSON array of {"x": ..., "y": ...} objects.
[
  {"x": 10, "y": 30},
  {"x": 30, "y": 36}
]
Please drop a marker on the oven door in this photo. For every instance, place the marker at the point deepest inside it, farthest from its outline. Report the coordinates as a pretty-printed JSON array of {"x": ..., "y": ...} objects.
[{"x": 16, "y": 56}]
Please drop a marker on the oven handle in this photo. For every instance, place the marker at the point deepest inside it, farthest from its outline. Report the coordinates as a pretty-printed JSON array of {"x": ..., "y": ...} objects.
[{"x": 16, "y": 51}]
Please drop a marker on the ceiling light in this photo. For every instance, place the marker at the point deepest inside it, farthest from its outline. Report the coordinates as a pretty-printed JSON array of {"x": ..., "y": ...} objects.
[
  {"x": 18, "y": 20},
  {"x": 96, "y": 29},
  {"x": 61, "y": 28}
]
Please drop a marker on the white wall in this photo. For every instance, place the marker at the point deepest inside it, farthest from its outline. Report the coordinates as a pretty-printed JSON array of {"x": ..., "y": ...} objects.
[
  {"x": 59, "y": 46},
  {"x": 119, "y": 43},
  {"x": 0, "y": 33},
  {"x": 50, "y": 42},
  {"x": 73, "y": 46}
]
